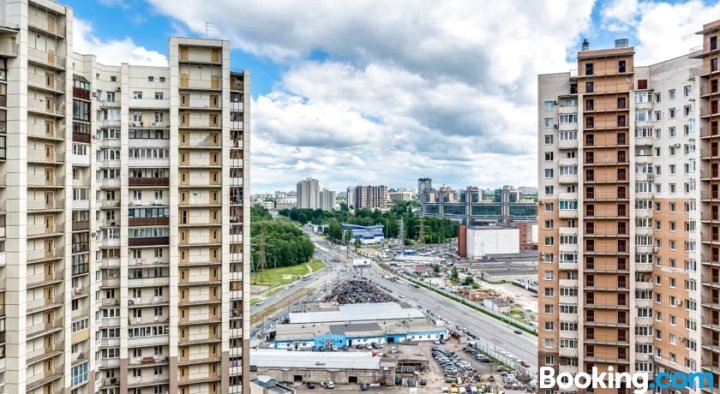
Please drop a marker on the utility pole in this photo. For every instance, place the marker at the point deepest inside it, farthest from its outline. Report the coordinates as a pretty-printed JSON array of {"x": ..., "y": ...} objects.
[
  {"x": 421, "y": 235},
  {"x": 262, "y": 259},
  {"x": 401, "y": 232}
]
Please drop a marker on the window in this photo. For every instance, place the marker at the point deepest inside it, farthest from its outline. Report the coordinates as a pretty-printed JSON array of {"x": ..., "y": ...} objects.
[
  {"x": 687, "y": 89},
  {"x": 159, "y": 95},
  {"x": 110, "y": 96},
  {"x": 548, "y": 173},
  {"x": 549, "y": 105},
  {"x": 113, "y": 78},
  {"x": 671, "y": 113},
  {"x": 151, "y": 79},
  {"x": 79, "y": 374},
  {"x": 162, "y": 79},
  {"x": 549, "y": 123},
  {"x": 589, "y": 69},
  {"x": 549, "y": 139},
  {"x": 671, "y": 94}
]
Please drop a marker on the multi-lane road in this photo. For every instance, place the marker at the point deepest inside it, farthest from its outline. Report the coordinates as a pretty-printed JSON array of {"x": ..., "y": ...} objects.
[{"x": 486, "y": 328}]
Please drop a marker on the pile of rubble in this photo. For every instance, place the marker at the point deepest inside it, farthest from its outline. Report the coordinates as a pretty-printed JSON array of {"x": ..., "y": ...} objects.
[{"x": 357, "y": 292}]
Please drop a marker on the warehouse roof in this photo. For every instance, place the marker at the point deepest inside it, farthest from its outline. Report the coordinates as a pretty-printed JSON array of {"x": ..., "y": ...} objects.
[
  {"x": 308, "y": 332},
  {"x": 268, "y": 358},
  {"x": 357, "y": 312}
]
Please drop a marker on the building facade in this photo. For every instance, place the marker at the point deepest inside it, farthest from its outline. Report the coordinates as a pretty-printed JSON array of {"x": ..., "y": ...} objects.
[
  {"x": 124, "y": 232},
  {"x": 368, "y": 197},
  {"x": 469, "y": 207},
  {"x": 326, "y": 199},
  {"x": 628, "y": 213},
  {"x": 308, "y": 194}
]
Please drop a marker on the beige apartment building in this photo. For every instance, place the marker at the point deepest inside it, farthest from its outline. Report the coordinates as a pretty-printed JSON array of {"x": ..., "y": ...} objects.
[
  {"x": 629, "y": 214},
  {"x": 124, "y": 224}
]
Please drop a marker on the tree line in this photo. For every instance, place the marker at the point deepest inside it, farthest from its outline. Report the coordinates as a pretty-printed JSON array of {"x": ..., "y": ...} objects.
[
  {"x": 284, "y": 243},
  {"x": 435, "y": 230}
]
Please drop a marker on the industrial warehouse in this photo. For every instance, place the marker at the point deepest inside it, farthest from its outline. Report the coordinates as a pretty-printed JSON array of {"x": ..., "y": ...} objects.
[{"x": 333, "y": 327}]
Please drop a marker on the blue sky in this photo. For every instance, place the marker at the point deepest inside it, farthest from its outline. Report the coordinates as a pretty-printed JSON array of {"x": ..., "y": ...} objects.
[{"x": 357, "y": 92}]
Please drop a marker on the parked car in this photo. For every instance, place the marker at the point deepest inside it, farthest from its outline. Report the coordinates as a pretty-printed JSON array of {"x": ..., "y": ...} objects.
[
  {"x": 525, "y": 364},
  {"x": 310, "y": 386},
  {"x": 518, "y": 332},
  {"x": 328, "y": 384}
]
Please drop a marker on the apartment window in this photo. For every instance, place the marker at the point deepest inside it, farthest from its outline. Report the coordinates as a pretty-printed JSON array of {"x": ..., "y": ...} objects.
[
  {"x": 621, "y": 66},
  {"x": 713, "y": 43},
  {"x": 549, "y": 309},
  {"x": 549, "y": 190},
  {"x": 549, "y": 156},
  {"x": 113, "y": 78},
  {"x": 714, "y": 64},
  {"x": 686, "y": 111},
  {"x": 137, "y": 95},
  {"x": 549, "y": 105},
  {"x": 151, "y": 79},
  {"x": 671, "y": 94},
  {"x": 548, "y": 207},
  {"x": 548, "y": 173},
  {"x": 671, "y": 113},
  {"x": 162, "y": 79},
  {"x": 657, "y": 97},
  {"x": 548, "y": 224},
  {"x": 110, "y": 96},
  {"x": 549, "y": 139},
  {"x": 687, "y": 89},
  {"x": 589, "y": 69},
  {"x": 159, "y": 95},
  {"x": 589, "y": 87},
  {"x": 549, "y": 123}
]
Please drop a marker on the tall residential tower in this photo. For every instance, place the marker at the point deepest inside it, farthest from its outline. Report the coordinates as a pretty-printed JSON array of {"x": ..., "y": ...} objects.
[
  {"x": 125, "y": 238},
  {"x": 628, "y": 214}
]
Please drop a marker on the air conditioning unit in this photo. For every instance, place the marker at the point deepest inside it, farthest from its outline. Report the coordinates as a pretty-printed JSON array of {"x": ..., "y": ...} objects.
[
  {"x": 113, "y": 380},
  {"x": 556, "y": 125},
  {"x": 678, "y": 302},
  {"x": 677, "y": 145},
  {"x": 94, "y": 94},
  {"x": 131, "y": 302},
  {"x": 118, "y": 89}
]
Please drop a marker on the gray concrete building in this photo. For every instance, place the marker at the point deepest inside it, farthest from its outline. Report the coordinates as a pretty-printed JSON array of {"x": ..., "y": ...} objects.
[{"x": 308, "y": 194}]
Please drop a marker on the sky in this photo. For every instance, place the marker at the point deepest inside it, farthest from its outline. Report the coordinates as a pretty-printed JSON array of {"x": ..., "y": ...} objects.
[{"x": 375, "y": 92}]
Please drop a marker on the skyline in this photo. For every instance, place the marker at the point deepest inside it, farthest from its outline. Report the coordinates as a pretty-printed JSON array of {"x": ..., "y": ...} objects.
[{"x": 400, "y": 85}]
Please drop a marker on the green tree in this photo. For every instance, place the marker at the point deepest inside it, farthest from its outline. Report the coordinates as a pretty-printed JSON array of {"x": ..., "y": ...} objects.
[
  {"x": 358, "y": 243},
  {"x": 436, "y": 269},
  {"x": 454, "y": 274},
  {"x": 469, "y": 281},
  {"x": 259, "y": 213}
]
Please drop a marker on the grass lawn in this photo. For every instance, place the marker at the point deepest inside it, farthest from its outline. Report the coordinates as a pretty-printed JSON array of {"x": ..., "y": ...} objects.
[
  {"x": 279, "y": 276},
  {"x": 317, "y": 265}
]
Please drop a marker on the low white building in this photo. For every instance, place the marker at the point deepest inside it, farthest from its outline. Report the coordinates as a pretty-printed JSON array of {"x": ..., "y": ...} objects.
[{"x": 483, "y": 241}]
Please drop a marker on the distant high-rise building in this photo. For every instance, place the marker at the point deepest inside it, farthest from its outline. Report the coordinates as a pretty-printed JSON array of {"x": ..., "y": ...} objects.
[
  {"x": 424, "y": 185},
  {"x": 369, "y": 197},
  {"x": 308, "y": 194},
  {"x": 326, "y": 199}
]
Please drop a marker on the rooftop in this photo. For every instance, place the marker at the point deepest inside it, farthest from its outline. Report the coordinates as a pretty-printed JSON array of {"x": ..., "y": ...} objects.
[
  {"x": 308, "y": 332},
  {"x": 357, "y": 312},
  {"x": 268, "y": 358}
]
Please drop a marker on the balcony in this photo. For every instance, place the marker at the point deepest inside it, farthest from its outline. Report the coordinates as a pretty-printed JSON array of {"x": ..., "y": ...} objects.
[
  {"x": 149, "y": 103},
  {"x": 149, "y": 182},
  {"x": 157, "y": 221},
  {"x": 148, "y": 301},
  {"x": 147, "y": 125},
  {"x": 46, "y": 108},
  {"x": 46, "y": 59},
  {"x": 81, "y": 137},
  {"x": 80, "y": 226},
  {"x": 42, "y": 82},
  {"x": 157, "y": 340},
  {"x": 151, "y": 241}
]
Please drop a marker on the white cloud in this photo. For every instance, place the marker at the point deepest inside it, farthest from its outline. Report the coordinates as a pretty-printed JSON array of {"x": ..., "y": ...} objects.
[
  {"x": 619, "y": 15},
  {"x": 668, "y": 30},
  {"x": 408, "y": 89},
  {"x": 113, "y": 51}
]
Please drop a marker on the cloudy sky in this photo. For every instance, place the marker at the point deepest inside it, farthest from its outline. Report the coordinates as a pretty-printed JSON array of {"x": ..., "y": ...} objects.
[{"x": 370, "y": 92}]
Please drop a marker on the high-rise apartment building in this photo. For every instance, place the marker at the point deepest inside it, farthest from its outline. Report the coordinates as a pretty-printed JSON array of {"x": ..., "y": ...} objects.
[
  {"x": 308, "y": 194},
  {"x": 125, "y": 239},
  {"x": 326, "y": 199},
  {"x": 629, "y": 181},
  {"x": 369, "y": 197}
]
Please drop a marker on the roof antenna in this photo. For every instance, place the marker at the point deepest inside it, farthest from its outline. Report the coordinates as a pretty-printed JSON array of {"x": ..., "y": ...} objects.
[{"x": 585, "y": 44}]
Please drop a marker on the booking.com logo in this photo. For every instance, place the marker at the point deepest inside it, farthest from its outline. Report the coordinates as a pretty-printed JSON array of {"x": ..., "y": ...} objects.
[{"x": 640, "y": 381}]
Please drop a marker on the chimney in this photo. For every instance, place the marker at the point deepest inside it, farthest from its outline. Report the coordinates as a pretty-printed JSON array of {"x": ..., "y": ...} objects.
[{"x": 585, "y": 45}]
